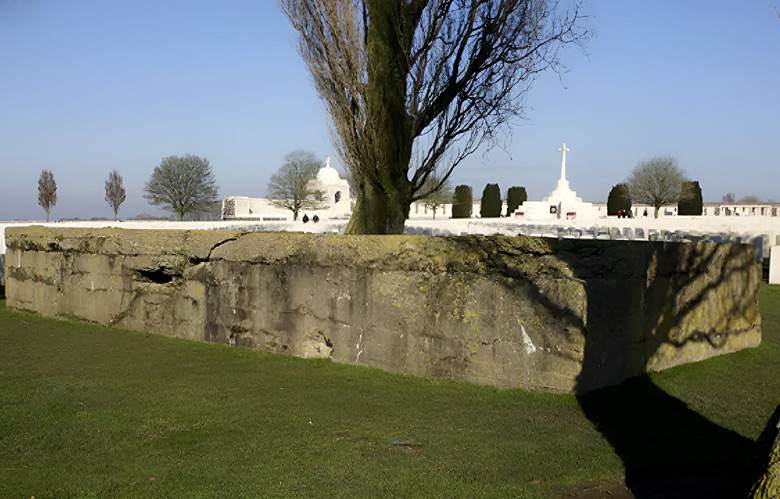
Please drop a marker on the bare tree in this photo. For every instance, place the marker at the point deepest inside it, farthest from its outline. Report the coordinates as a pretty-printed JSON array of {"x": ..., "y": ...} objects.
[
  {"x": 752, "y": 198},
  {"x": 47, "y": 191},
  {"x": 729, "y": 197},
  {"x": 438, "y": 193},
  {"x": 290, "y": 188},
  {"x": 415, "y": 86},
  {"x": 115, "y": 192},
  {"x": 182, "y": 185},
  {"x": 656, "y": 181}
]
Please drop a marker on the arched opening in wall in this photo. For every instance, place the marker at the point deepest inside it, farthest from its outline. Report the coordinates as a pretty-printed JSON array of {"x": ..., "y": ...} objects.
[{"x": 337, "y": 196}]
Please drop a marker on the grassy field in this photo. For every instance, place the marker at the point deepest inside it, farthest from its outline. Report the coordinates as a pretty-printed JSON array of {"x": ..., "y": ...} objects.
[{"x": 87, "y": 411}]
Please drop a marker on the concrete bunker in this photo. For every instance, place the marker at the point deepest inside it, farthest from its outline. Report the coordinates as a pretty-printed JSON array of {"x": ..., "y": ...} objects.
[{"x": 542, "y": 314}]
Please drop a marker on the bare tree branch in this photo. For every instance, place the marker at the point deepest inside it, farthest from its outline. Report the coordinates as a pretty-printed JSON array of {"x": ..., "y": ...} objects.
[{"x": 415, "y": 86}]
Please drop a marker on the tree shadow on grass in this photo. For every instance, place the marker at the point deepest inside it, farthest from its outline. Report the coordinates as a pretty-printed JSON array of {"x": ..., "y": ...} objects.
[
  {"x": 668, "y": 450},
  {"x": 649, "y": 306}
]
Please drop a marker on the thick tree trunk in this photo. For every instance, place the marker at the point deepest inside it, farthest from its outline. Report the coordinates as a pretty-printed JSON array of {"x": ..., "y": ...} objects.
[
  {"x": 384, "y": 191},
  {"x": 378, "y": 211}
]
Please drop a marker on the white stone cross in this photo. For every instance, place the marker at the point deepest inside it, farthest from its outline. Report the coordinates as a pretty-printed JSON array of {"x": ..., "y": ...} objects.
[{"x": 563, "y": 162}]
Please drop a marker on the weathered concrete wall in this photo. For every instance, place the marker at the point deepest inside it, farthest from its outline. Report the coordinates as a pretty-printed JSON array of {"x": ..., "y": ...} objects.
[{"x": 559, "y": 315}]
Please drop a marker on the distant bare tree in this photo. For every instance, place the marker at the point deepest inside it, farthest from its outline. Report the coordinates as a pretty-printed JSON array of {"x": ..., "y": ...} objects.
[
  {"x": 414, "y": 86},
  {"x": 656, "y": 181},
  {"x": 750, "y": 199},
  {"x": 290, "y": 187},
  {"x": 729, "y": 197},
  {"x": 47, "y": 191},
  {"x": 115, "y": 192},
  {"x": 436, "y": 194},
  {"x": 182, "y": 185}
]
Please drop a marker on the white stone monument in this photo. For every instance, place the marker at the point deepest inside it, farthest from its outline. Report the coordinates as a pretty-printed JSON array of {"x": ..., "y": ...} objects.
[
  {"x": 336, "y": 200},
  {"x": 562, "y": 203}
]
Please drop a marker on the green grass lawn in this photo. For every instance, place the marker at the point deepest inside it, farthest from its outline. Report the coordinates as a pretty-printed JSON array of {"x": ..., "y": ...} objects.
[{"x": 87, "y": 411}]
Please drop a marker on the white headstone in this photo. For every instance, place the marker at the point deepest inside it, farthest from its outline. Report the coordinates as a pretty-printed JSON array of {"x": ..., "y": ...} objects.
[{"x": 774, "y": 265}]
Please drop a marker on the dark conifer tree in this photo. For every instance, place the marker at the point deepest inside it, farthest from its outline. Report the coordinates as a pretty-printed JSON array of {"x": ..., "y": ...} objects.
[
  {"x": 491, "y": 202},
  {"x": 461, "y": 202},
  {"x": 619, "y": 200},
  {"x": 515, "y": 196},
  {"x": 691, "y": 202}
]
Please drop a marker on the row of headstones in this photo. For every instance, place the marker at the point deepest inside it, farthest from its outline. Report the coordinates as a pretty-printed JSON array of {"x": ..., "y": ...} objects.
[{"x": 760, "y": 243}]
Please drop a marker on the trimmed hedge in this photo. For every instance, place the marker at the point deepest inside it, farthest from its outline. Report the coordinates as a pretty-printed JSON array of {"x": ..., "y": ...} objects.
[
  {"x": 691, "y": 202},
  {"x": 491, "y": 202},
  {"x": 515, "y": 196},
  {"x": 619, "y": 200},
  {"x": 461, "y": 202}
]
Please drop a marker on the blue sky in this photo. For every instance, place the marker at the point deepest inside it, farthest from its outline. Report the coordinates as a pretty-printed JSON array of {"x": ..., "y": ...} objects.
[{"x": 91, "y": 86}]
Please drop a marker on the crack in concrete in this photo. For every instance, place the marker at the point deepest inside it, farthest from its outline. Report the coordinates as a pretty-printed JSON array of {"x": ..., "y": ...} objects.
[
  {"x": 196, "y": 261},
  {"x": 124, "y": 313}
]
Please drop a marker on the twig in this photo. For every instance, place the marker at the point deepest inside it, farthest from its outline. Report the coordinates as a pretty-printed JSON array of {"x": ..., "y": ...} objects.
[{"x": 397, "y": 442}]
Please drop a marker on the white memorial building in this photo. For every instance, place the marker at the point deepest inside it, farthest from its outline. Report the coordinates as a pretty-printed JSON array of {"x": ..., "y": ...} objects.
[{"x": 336, "y": 201}]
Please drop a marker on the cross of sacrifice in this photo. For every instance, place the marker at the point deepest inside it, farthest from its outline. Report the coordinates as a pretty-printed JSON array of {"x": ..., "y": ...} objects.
[{"x": 563, "y": 162}]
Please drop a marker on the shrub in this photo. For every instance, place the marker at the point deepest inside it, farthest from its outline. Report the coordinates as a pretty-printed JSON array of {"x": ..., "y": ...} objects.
[
  {"x": 619, "y": 200},
  {"x": 691, "y": 202},
  {"x": 461, "y": 202},
  {"x": 491, "y": 202},
  {"x": 515, "y": 196}
]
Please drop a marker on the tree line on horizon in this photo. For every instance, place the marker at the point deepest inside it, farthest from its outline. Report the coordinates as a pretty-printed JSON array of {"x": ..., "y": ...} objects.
[
  {"x": 659, "y": 181},
  {"x": 178, "y": 184},
  {"x": 187, "y": 184}
]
